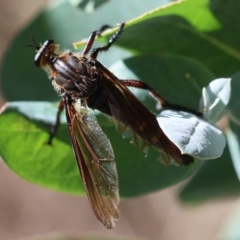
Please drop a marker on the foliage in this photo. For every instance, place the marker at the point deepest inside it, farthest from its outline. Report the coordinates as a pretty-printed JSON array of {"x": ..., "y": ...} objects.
[{"x": 178, "y": 49}]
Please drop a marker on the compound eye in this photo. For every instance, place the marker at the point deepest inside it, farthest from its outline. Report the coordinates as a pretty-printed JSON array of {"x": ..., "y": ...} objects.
[
  {"x": 41, "y": 56},
  {"x": 48, "y": 43},
  {"x": 37, "y": 59}
]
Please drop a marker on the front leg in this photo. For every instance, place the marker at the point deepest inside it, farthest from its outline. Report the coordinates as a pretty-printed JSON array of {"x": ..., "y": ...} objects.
[{"x": 57, "y": 123}]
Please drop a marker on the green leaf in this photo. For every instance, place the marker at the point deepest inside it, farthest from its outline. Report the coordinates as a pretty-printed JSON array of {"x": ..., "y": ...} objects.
[
  {"x": 181, "y": 36},
  {"x": 192, "y": 135},
  {"x": 233, "y": 138},
  {"x": 214, "y": 179},
  {"x": 215, "y": 98},
  {"x": 137, "y": 174},
  {"x": 177, "y": 79},
  {"x": 23, "y": 148},
  {"x": 188, "y": 77},
  {"x": 64, "y": 24},
  {"x": 191, "y": 28},
  {"x": 233, "y": 106},
  {"x": 88, "y": 5}
]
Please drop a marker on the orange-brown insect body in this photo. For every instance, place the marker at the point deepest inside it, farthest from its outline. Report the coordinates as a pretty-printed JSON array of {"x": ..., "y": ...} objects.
[
  {"x": 78, "y": 76},
  {"x": 87, "y": 79}
]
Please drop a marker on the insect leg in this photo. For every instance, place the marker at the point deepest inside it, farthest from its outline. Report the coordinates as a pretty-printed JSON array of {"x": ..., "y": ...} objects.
[
  {"x": 92, "y": 37},
  {"x": 57, "y": 122},
  {"x": 112, "y": 39},
  {"x": 164, "y": 103}
]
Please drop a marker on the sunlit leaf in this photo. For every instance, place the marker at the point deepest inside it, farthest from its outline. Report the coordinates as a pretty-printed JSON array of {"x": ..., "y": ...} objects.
[
  {"x": 192, "y": 135},
  {"x": 24, "y": 148},
  {"x": 215, "y": 99}
]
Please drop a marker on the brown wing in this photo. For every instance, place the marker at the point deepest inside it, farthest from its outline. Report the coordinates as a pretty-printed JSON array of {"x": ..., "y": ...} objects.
[
  {"x": 96, "y": 163},
  {"x": 132, "y": 114}
]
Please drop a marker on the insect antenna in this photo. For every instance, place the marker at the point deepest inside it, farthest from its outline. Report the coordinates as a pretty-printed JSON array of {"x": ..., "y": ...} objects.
[{"x": 35, "y": 45}]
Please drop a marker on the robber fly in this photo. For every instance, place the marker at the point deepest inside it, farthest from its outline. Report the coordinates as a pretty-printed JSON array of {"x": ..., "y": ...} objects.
[{"x": 80, "y": 78}]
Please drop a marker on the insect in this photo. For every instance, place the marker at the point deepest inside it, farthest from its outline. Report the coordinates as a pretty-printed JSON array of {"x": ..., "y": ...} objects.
[{"x": 81, "y": 80}]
